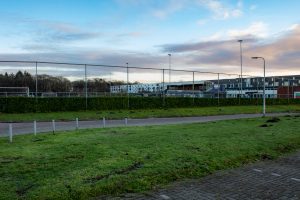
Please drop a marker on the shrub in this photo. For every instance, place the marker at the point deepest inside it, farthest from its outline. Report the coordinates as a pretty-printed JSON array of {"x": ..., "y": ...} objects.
[{"x": 50, "y": 104}]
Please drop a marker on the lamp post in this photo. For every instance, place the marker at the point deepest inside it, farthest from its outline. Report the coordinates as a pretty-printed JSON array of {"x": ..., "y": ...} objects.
[
  {"x": 264, "y": 82},
  {"x": 241, "y": 58},
  {"x": 169, "y": 67}
]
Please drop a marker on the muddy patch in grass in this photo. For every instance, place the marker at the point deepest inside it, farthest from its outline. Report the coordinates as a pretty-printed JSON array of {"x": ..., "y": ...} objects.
[
  {"x": 130, "y": 168},
  {"x": 265, "y": 125},
  {"x": 273, "y": 120},
  {"x": 113, "y": 132},
  {"x": 193, "y": 148},
  {"x": 265, "y": 156},
  {"x": 23, "y": 190},
  {"x": 37, "y": 140}
]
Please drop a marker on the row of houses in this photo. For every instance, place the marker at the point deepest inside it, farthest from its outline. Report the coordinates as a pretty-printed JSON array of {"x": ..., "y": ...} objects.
[{"x": 275, "y": 87}]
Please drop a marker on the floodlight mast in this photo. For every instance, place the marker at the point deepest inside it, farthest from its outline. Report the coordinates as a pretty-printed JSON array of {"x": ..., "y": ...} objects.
[
  {"x": 169, "y": 67},
  {"x": 264, "y": 82},
  {"x": 241, "y": 58}
]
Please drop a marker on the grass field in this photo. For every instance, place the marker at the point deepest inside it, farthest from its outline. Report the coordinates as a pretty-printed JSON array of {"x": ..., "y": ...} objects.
[
  {"x": 118, "y": 114},
  {"x": 89, "y": 163}
]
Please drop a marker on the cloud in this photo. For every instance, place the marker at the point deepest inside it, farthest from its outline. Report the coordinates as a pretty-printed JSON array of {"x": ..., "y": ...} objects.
[
  {"x": 219, "y": 54},
  {"x": 202, "y": 22},
  {"x": 46, "y": 35},
  {"x": 163, "y": 9},
  {"x": 258, "y": 29},
  {"x": 131, "y": 34},
  {"x": 285, "y": 48},
  {"x": 282, "y": 57},
  {"x": 251, "y": 34},
  {"x": 62, "y": 32},
  {"x": 171, "y": 7},
  {"x": 158, "y": 9},
  {"x": 282, "y": 53},
  {"x": 253, "y": 7},
  {"x": 39, "y": 47},
  {"x": 220, "y": 11},
  {"x": 206, "y": 46}
]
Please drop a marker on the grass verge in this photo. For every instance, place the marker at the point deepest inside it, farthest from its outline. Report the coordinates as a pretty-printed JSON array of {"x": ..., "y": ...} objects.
[
  {"x": 119, "y": 114},
  {"x": 88, "y": 163}
]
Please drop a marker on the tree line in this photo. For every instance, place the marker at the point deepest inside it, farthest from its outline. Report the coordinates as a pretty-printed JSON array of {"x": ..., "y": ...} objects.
[{"x": 47, "y": 83}]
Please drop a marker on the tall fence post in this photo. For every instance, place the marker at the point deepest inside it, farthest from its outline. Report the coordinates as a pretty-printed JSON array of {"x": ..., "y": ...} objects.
[
  {"x": 36, "y": 84},
  {"x": 127, "y": 71},
  {"x": 193, "y": 88},
  {"x": 10, "y": 131},
  {"x": 218, "y": 89},
  {"x": 170, "y": 67},
  {"x": 240, "y": 94},
  {"x": 288, "y": 91},
  {"x": 163, "y": 87},
  {"x": 273, "y": 89},
  {"x": 293, "y": 92},
  {"x": 85, "y": 87}
]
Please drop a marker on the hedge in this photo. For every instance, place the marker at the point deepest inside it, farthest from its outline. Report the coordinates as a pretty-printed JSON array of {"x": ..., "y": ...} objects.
[{"x": 25, "y": 104}]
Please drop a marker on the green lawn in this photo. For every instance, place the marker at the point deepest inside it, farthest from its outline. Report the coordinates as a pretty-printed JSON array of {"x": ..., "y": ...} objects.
[
  {"x": 88, "y": 163},
  {"x": 118, "y": 114}
]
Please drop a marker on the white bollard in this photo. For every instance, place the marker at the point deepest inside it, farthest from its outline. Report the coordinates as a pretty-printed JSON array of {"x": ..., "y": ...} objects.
[
  {"x": 10, "y": 133},
  {"x": 34, "y": 127},
  {"x": 104, "y": 122},
  {"x": 53, "y": 125},
  {"x": 77, "y": 124},
  {"x": 126, "y": 121}
]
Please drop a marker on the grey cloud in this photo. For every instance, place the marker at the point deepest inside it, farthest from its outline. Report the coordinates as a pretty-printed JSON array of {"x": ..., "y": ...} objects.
[
  {"x": 86, "y": 57},
  {"x": 66, "y": 32},
  {"x": 204, "y": 46},
  {"x": 74, "y": 36},
  {"x": 56, "y": 36},
  {"x": 281, "y": 54},
  {"x": 39, "y": 47}
]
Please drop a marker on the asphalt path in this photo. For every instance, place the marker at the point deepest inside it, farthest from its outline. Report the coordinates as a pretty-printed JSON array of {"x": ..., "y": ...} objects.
[{"x": 27, "y": 127}]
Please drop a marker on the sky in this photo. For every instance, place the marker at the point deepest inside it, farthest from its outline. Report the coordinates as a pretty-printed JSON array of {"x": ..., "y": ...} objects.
[{"x": 200, "y": 35}]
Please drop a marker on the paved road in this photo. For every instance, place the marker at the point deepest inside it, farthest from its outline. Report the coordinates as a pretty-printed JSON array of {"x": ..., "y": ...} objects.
[
  {"x": 279, "y": 179},
  {"x": 27, "y": 128}
]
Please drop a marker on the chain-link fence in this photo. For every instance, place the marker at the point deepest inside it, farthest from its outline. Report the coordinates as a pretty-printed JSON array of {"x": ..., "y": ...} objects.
[{"x": 52, "y": 79}]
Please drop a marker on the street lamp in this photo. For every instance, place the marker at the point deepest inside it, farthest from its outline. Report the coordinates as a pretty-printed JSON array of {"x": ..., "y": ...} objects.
[
  {"x": 169, "y": 67},
  {"x": 264, "y": 90},
  {"x": 241, "y": 57}
]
